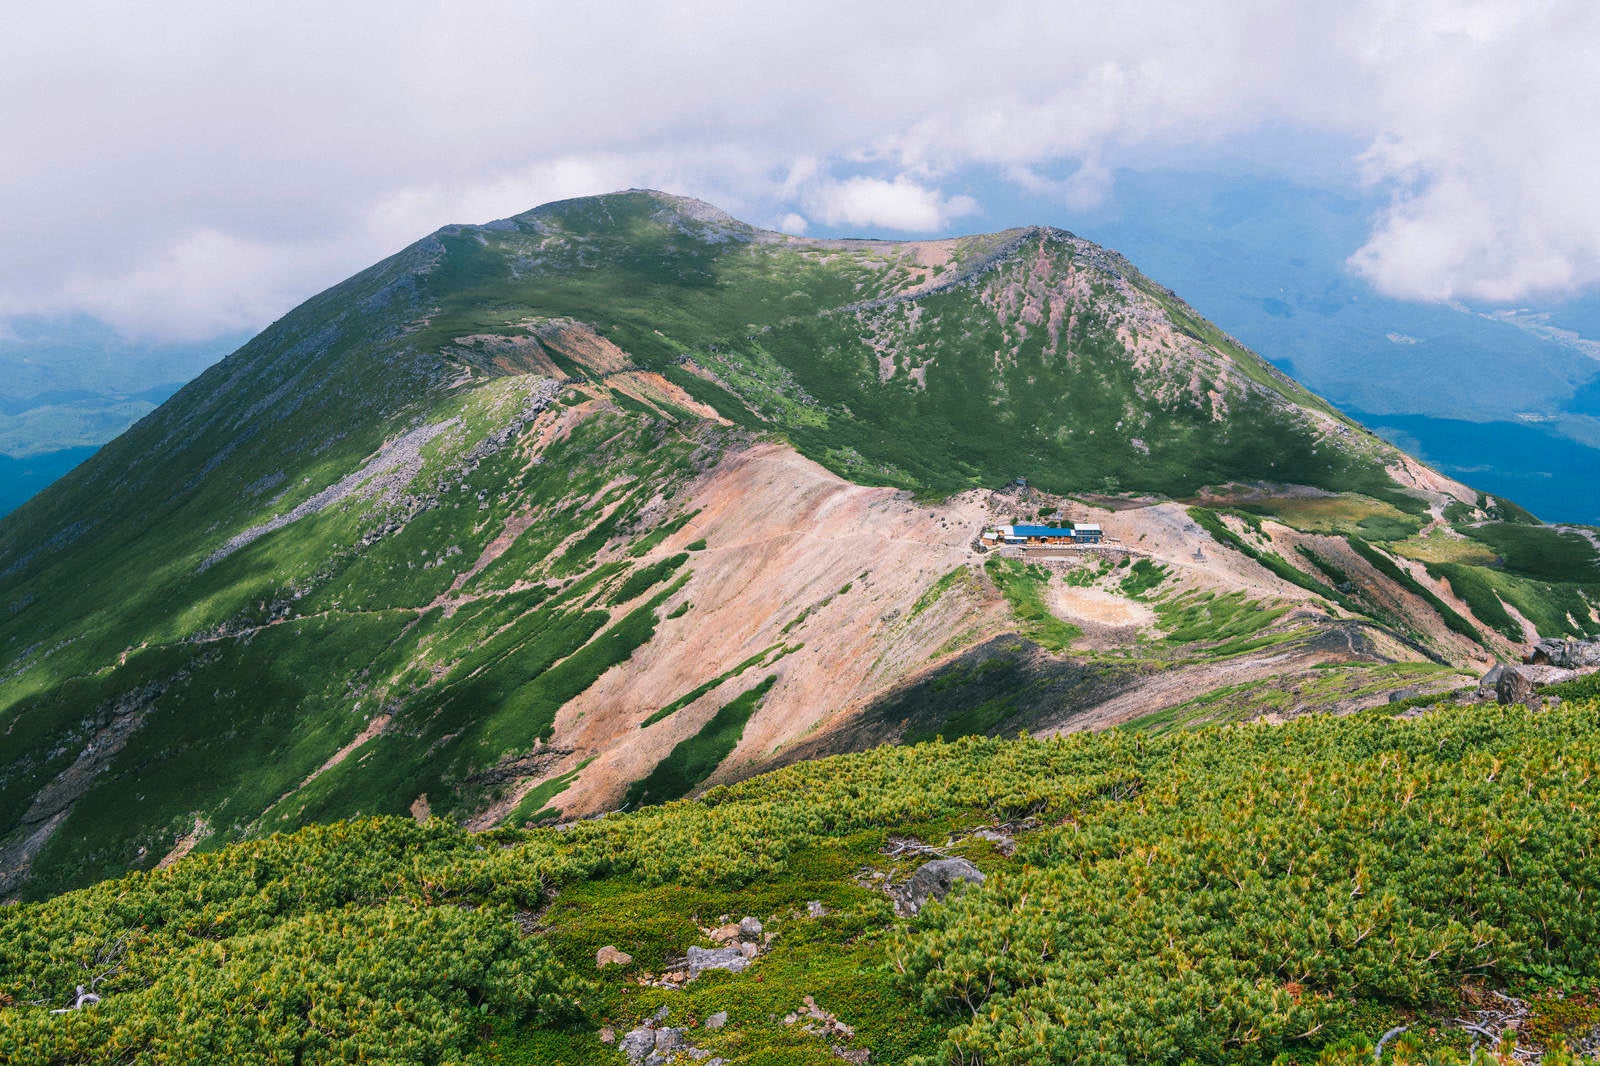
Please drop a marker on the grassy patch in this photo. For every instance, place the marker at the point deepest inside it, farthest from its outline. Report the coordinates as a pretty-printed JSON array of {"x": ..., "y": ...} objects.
[
  {"x": 642, "y": 580},
  {"x": 1556, "y": 610},
  {"x": 1143, "y": 576},
  {"x": 1396, "y": 573},
  {"x": 1212, "y": 523},
  {"x": 535, "y": 806},
  {"x": 693, "y": 760},
  {"x": 1087, "y": 574},
  {"x": 700, "y": 690},
  {"x": 1541, "y": 553},
  {"x": 1445, "y": 546},
  {"x": 1228, "y": 624},
  {"x": 647, "y": 543},
  {"x": 959, "y": 576},
  {"x": 1023, "y": 585},
  {"x": 531, "y": 710},
  {"x": 1471, "y": 585},
  {"x": 1323, "y": 689},
  {"x": 1343, "y": 514}
]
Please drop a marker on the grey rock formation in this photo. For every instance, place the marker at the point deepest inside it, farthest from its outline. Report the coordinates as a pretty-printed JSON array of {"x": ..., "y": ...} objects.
[
  {"x": 703, "y": 959},
  {"x": 1570, "y": 653},
  {"x": 637, "y": 1044},
  {"x": 935, "y": 880},
  {"x": 654, "y": 1044},
  {"x": 1513, "y": 687}
]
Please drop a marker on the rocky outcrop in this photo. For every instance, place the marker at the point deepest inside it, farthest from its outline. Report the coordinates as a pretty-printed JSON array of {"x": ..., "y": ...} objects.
[
  {"x": 738, "y": 945},
  {"x": 825, "y": 1024},
  {"x": 1488, "y": 682},
  {"x": 394, "y": 467},
  {"x": 935, "y": 880},
  {"x": 702, "y": 959},
  {"x": 1507, "y": 683},
  {"x": 655, "y": 1044},
  {"x": 610, "y": 956},
  {"x": 651, "y": 1047},
  {"x": 112, "y": 723},
  {"x": 1513, "y": 686},
  {"x": 1569, "y": 653}
]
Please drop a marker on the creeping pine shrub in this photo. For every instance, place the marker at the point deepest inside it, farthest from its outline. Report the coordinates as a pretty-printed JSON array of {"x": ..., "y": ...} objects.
[
  {"x": 371, "y": 941},
  {"x": 1235, "y": 908},
  {"x": 1408, "y": 1050},
  {"x": 396, "y": 983},
  {"x": 1224, "y": 896}
]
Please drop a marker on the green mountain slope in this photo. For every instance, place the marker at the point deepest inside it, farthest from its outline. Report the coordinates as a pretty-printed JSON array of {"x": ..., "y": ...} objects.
[
  {"x": 934, "y": 366},
  {"x": 1227, "y": 896},
  {"x": 534, "y": 512}
]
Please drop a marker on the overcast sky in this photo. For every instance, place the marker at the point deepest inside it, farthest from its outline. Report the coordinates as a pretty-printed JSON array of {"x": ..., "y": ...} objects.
[{"x": 182, "y": 170}]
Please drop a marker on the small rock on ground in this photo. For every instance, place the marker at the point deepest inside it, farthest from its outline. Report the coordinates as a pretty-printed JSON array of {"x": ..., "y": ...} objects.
[
  {"x": 1001, "y": 840},
  {"x": 637, "y": 1043},
  {"x": 1513, "y": 687},
  {"x": 610, "y": 956},
  {"x": 703, "y": 959},
  {"x": 935, "y": 880}
]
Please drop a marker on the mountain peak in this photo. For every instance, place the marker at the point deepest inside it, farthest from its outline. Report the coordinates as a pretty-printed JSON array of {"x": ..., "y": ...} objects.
[
  {"x": 461, "y": 515},
  {"x": 628, "y": 207}
]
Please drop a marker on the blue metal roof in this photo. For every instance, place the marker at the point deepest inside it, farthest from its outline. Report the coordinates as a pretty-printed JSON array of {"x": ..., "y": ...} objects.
[{"x": 1040, "y": 531}]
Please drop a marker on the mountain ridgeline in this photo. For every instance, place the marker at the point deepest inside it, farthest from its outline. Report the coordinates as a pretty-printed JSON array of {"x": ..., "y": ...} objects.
[{"x": 620, "y": 498}]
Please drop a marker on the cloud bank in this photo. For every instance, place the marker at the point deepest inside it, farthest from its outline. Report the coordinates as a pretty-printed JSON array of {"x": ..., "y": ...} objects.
[{"x": 183, "y": 169}]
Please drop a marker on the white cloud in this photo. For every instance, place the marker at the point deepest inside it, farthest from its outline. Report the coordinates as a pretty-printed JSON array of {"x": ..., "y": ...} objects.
[
  {"x": 793, "y": 224},
  {"x": 184, "y": 167},
  {"x": 901, "y": 204},
  {"x": 1489, "y": 137},
  {"x": 204, "y": 284}
]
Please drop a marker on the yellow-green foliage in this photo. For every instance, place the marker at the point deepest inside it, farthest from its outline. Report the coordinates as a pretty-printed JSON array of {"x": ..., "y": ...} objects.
[
  {"x": 1445, "y": 546},
  {"x": 1346, "y": 513},
  {"x": 368, "y": 941},
  {"x": 1228, "y": 895},
  {"x": 1232, "y": 911}
]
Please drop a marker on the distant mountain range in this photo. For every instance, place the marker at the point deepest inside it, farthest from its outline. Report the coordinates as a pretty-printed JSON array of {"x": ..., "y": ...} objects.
[{"x": 69, "y": 384}]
